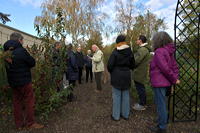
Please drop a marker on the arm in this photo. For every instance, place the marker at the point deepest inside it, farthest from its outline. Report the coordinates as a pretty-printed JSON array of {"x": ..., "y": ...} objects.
[
  {"x": 139, "y": 55},
  {"x": 132, "y": 61},
  {"x": 73, "y": 61},
  {"x": 28, "y": 58},
  {"x": 161, "y": 58},
  {"x": 97, "y": 57},
  {"x": 111, "y": 63},
  {"x": 175, "y": 67}
]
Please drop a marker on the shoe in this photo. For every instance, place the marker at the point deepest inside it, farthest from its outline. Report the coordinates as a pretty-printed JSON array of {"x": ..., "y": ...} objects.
[
  {"x": 124, "y": 118},
  {"x": 157, "y": 130},
  {"x": 97, "y": 91},
  {"x": 71, "y": 97},
  {"x": 35, "y": 126},
  {"x": 21, "y": 128},
  {"x": 138, "y": 107},
  {"x": 112, "y": 118}
]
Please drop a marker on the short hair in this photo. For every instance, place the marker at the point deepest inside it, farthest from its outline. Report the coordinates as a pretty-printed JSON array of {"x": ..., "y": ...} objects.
[
  {"x": 56, "y": 43},
  {"x": 160, "y": 39},
  {"x": 70, "y": 46},
  {"x": 16, "y": 36},
  {"x": 143, "y": 38},
  {"x": 121, "y": 38}
]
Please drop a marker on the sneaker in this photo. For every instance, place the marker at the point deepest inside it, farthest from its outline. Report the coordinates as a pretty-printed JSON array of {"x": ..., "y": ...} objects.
[
  {"x": 20, "y": 128},
  {"x": 139, "y": 107},
  {"x": 124, "y": 117},
  {"x": 35, "y": 126},
  {"x": 97, "y": 91},
  {"x": 157, "y": 130}
]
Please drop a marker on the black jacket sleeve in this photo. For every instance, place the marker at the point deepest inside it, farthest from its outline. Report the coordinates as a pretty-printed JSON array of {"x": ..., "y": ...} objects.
[
  {"x": 28, "y": 58},
  {"x": 132, "y": 61},
  {"x": 111, "y": 62}
]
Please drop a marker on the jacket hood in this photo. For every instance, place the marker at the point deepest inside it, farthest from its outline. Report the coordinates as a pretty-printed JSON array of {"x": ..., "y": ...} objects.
[
  {"x": 170, "y": 48},
  {"x": 122, "y": 47},
  {"x": 124, "y": 50},
  {"x": 11, "y": 45}
]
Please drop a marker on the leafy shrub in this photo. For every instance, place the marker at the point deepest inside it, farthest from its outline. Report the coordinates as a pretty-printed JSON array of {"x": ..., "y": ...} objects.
[{"x": 45, "y": 81}]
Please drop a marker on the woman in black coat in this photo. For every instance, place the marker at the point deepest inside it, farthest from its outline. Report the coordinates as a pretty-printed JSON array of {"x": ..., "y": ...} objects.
[
  {"x": 120, "y": 64},
  {"x": 72, "y": 70}
]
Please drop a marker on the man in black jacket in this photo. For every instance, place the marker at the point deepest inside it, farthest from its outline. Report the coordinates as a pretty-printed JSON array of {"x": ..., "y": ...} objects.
[
  {"x": 19, "y": 78},
  {"x": 80, "y": 63}
]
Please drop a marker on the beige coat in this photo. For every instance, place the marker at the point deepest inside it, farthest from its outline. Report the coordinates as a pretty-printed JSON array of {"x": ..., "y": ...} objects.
[{"x": 97, "y": 62}]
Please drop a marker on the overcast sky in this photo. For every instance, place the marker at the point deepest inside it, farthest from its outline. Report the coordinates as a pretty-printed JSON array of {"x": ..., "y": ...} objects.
[{"x": 23, "y": 12}]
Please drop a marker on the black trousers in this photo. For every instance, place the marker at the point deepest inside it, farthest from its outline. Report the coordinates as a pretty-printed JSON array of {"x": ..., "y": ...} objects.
[
  {"x": 89, "y": 73},
  {"x": 98, "y": 76},
  {"x": 70, "y": 97},
  {"x": 80, "y": 72},
  {"x": 141, "y": 93}
]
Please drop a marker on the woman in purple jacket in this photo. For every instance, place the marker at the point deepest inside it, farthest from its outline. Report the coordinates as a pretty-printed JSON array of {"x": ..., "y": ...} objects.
[{"x": 163, "y": 74}]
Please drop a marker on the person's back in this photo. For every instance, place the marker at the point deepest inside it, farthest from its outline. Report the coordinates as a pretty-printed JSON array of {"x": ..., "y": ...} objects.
[
  {"x": 163, "y": 74},
  {"x": 72, "y": 71},
  {"x": 120, "y": 64},
  {"x": 120, "y": 67},
  {"x": 141, "y": 70},
  {"x": 19, "y": 71},
  {"x": 80, "y": 59},
  {"x": 72, "y": 67}
]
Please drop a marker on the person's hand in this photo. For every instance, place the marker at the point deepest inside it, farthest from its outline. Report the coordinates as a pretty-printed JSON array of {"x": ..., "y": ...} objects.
[
  {"x": 9, "y": 60},
  {"x": 90, "y": 57},
  {"x": 178, "y": 81}
]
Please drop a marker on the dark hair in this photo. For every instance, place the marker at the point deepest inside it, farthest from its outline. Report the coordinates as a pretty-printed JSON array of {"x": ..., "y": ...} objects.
[
  {"x": 16, "y": 36},
  {"x": 69, "y": 47},
  {"x": 143, "y": 38},
  {"x": 160, "y": 39},
  {"x": 121, "y": 38}
]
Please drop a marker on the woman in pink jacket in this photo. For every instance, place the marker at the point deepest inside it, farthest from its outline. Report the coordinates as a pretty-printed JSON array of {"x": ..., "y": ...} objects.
[{"x": 163, "y": 74}]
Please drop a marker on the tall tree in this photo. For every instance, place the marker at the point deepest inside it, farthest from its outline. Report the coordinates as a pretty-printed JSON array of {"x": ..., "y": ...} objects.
[
  {"x": 147, "y": 24},
  {"x": 125, "y": 16},
  {"x": 95, "y": 38},
  {"x": 131, "y": 22},
  {"x": 77, "y": 18}
]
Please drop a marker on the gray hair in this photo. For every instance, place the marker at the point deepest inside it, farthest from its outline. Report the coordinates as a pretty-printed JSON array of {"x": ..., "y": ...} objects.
[
  {"x": 16, "y": 36},
  {"x": 160, "y": 39}
]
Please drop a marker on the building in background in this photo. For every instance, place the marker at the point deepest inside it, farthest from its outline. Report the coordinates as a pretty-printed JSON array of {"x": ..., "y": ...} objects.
[{"x": 5, "y": 32}]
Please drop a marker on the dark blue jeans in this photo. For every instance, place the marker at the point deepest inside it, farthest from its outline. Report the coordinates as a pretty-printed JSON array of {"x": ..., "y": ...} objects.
[
  {"x": 141, "y": 93},
  {"x": 161, "y": 106}
]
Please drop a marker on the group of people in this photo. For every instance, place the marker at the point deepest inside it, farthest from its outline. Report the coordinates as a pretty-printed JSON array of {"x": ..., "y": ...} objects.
[
  {"x": 93, "y": 64},
  {"x": 163, "y": 74},
  {"x": 20, "y": 79}
]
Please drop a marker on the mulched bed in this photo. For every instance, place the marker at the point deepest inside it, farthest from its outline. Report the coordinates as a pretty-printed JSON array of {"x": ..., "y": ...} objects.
[{"x": 90, "y": 113}]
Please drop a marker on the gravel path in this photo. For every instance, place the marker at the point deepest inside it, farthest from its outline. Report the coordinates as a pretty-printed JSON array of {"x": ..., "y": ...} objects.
[{"x": 90, "y": 113}]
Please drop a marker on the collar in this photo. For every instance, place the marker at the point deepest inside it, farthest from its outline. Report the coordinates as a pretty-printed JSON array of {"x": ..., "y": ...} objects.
[{"x": 144, "y": 44}]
